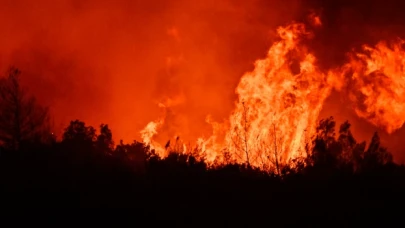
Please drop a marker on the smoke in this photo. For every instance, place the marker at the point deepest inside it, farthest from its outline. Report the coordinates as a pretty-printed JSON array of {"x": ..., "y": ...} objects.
[{"x": 114, "y": 61}]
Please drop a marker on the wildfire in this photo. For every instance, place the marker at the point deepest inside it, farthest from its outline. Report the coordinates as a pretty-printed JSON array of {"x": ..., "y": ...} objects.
[
  {"x": 279, "y": 103},
  {"x": 280, "y": 100}
]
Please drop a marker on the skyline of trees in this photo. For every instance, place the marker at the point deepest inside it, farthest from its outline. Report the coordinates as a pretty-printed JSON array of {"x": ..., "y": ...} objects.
[
  {"x": 24, "y": 121},
  {"x": 341, "y": 181}
]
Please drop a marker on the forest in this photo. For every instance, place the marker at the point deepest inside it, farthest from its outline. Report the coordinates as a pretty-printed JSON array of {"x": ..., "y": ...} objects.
[{"x": 340, "y": 182}]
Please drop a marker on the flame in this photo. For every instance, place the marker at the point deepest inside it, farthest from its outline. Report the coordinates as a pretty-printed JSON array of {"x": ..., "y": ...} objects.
[
  {"x": 149, "y": 132},
  {"x": 278, "y": 105},
  {"x": 315, "y": 19},
  {"x": 377, "y": 76},
  {"x": 279, "y": 102}
]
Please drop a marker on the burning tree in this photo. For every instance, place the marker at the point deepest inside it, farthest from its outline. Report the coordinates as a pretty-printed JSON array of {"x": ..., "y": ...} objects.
[{"x": 22, "y": 119}]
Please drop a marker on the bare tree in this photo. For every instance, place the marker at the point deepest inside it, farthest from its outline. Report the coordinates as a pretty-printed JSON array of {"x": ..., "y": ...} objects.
[
  {"x": 276, "y": 154},
  {"x": 22, "y": 119},
  {"x": 245, "y": 132},
  {"x": 241, "y": 139}
]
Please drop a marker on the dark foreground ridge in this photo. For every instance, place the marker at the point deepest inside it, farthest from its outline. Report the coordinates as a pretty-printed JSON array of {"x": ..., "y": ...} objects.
[{"x": 83, "y": 171}]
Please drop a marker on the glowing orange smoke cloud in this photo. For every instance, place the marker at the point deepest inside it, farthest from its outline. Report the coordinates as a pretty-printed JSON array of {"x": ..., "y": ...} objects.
[{"x": 279, "y": 103}]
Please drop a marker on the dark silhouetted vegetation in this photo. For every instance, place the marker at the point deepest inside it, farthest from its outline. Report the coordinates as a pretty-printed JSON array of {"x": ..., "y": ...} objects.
[{"x": 342, "y": 182}]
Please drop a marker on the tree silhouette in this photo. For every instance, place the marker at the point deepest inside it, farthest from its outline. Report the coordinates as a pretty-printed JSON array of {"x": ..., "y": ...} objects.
[
  {"x": 22, "y": 119},
  {"x": 326, "y": 151},
  {"x": 375, "y": 155},
  {"x": 78, "y": 132},
  {"x": 344, "y": 153},
  {"x": 346, "y": 140},
  {"x": 104, "y": 140},
  {"x": 135, "y": 154},
  {"x": 240, "y": 140}
]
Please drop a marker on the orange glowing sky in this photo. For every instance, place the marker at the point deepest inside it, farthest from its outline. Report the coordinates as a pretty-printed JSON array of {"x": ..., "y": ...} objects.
[{"x": 111, "y": 62}]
